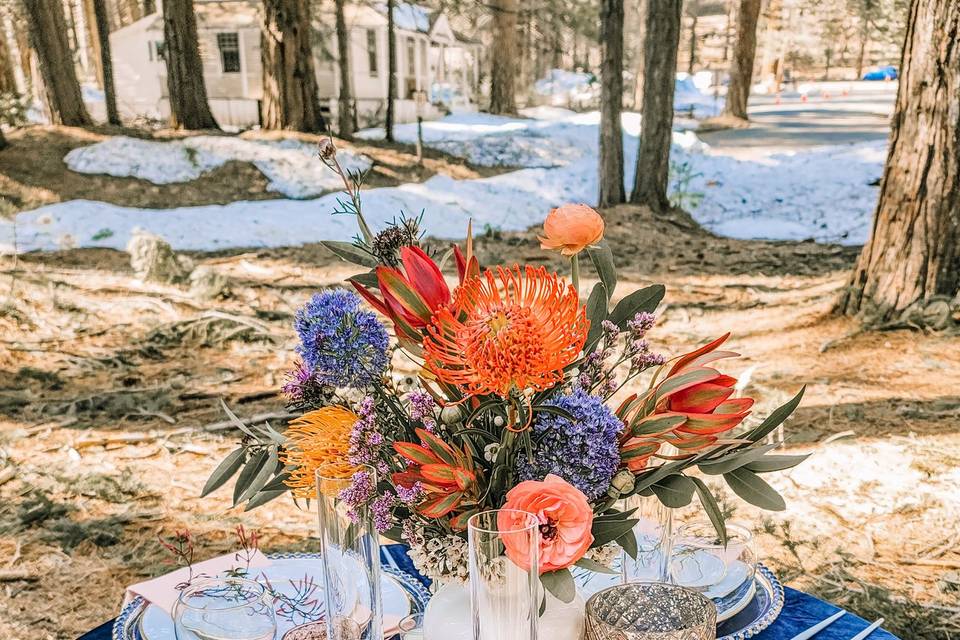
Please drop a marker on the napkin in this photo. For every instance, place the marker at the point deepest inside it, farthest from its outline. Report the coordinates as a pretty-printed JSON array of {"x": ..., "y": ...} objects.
[{"x": 163, "y": 591}]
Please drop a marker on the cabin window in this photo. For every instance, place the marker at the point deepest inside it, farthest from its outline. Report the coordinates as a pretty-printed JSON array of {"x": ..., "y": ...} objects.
[
  {"x": 411, "y": 57},
  {"x": 229, "y": 45},
  {"x": 155, "y": 50},
  {"x": 372, "y": 52}
]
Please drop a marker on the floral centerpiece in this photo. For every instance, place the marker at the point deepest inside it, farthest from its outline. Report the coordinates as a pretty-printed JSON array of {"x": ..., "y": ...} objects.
[{"x": 510, "y": 403}]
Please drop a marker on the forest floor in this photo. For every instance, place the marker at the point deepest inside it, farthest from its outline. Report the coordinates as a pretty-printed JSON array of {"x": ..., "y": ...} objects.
[{"x": 110, "y": 419}]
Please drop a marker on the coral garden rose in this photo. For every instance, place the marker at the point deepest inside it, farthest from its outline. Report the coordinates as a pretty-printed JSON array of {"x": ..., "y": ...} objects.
[
  {"x": 571, "y": 228},
  {"x": 565, "y": 522}
]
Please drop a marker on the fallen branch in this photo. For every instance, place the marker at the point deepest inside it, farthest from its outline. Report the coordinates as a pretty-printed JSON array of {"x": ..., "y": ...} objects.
[
  {"x": 260, "y": 417},
  {"x": 7, "y": 474},
  {"x": 126, "y": 438},
  {"x": 14, "y": 575}
]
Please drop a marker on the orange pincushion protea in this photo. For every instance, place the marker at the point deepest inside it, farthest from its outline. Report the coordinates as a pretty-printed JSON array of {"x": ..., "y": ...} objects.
[
  {"x": 313, "y": 440},
  {"x": 509, "y": 329}
]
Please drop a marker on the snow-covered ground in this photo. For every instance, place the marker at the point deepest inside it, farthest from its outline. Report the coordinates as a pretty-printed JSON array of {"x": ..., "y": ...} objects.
[
  {"x": 820, "y": 192},
  {"x": 290, "y": 165}
]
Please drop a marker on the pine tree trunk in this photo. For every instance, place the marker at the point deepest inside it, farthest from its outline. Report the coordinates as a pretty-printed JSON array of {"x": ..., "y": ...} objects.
[
  {"x": 345, "y": 97},
  {"x": 641, "y": 46},
  {"x": 659, "y": 78},
  {"x": 504, "y": 56},
  {"x": 744, "y": 53},
  {"x": 90, "y": 20},
  {"x": 149, "y": 6},
  {"x": 187, "y": 91},
  {"x": 862, "y": 49},
  {"x": 913, "y": 253},
  {"x": 391, "y": 69},
  {"x": 289, "y": 82},
  {"x": 48, "y": 36},
  {"x": 8, "y": 78},
  {"x": 691, "y": 63},
  {"x": 106, "y": 61},
  {"x": 3, "y": 140},
  {"x": 611, "y": 100}
]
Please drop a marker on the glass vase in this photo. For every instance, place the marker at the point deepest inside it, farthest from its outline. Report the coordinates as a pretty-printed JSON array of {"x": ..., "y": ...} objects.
[
  {"x": 654, "y": 535},
  {"x": 504, "y": 574},
  {"x": 350, "y": 550}
]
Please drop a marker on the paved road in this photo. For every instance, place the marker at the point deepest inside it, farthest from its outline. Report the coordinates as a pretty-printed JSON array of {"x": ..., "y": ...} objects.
[{"x": 861, "y": 116}]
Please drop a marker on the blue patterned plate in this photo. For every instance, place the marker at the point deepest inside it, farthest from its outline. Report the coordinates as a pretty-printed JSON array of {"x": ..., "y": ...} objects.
[
  {"x": 757, "y": 613},
  {"x": 402, "y": 594}
]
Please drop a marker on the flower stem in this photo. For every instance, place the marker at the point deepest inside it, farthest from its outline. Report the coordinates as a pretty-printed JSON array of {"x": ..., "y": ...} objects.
[{"x": 575, "y": 272}]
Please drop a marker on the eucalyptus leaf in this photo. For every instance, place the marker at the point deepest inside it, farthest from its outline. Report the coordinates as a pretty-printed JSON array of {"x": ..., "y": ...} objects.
[
  {"x": 262, "y": 498},
  {"x": 349, "y": 252},
  {"x": 628, "y": 542},
  {"x": 767, "y": 464},
  {"x": 560, "y": 583},
  {"x": 278, "y": 482},
  {"x": 592, "y": 565},
  {"x": 596, "y": 311},
  {"x": 237, "y": 422},
  {"x": 607, "y": 531},
  {"x": 260, "y": 480},
  {"x": 250, "y": 471},
  {"x": 712, "y": 508},
  {"x": 602, "y": 257},
  {"x": 674, "y": 491},
  {"x": 754, "y": 490},
  {"x": 645, "y": 299},
  {"x": 224, "y": 471},
  {"x": 776, "y": 418},
  {"x": 368, "y": 279},
  {"x": 736, "y": 460}
]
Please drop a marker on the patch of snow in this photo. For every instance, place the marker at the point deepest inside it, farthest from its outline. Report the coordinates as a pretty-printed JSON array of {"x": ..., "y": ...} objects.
[
  {"x": 409, "y": 16},
  {"x": 688, "y": 98},
  {"x": 821, "y": 192},
  {"x": 290, "y": 165}
]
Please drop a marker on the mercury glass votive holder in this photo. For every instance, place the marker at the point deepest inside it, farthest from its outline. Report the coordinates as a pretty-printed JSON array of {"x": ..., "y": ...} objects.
[{"x": 650, "y": 611}]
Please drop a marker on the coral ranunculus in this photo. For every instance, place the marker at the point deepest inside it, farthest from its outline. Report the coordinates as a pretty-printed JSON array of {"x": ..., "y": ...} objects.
[
  {"x": 509, "y": 329},
  {"x": 313, "y": 440},
  {"x": 565, "y": 522},
  {"x": 571, "y": 228}
]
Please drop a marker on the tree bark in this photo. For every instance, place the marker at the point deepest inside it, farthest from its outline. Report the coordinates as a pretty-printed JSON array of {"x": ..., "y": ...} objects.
[
  {"x": 862, "y": 49},
  {"x": 659, "y": 79},
  {"x": 693, "y": 43},
  {"x": 48, "y": 36},
  {"x": 8, "y": 78},
  {"x": 3, "y": 141},
  {"x": 611, "y": 100},
  {"x": 744, "y": 54},
  {"x": 106, "y": 61},
  {"x": 345, "y": 97},
  {"x": 913, "y": 253},
  {"x": 641, "y": 45},
  {"x": 289, "y": 82},
  {"x": 504, "y": 54},
  {"x": 90, "y": 20},
  {"x": 189, "y": 108},
  {"x": 391, "y": 69},
  {"x": 149, "y": 6}
]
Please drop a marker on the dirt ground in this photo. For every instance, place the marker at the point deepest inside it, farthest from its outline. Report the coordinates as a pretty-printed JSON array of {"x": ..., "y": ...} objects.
[
  {"x": 110, "y": 419},
  {"x": 33, "y": 173}
]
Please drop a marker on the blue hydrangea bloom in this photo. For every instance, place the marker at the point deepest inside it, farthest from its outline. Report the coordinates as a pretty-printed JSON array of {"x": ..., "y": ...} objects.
[
  {"x": 344, "y": 345},
  {"x": 584, "y": 452}
]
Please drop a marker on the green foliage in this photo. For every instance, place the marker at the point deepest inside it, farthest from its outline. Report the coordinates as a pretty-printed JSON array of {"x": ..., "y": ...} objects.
[{"x": 682, "y": 195}]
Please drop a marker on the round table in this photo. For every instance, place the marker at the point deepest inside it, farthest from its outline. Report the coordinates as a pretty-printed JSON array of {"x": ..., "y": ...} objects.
[{"x": 800, "y": 611}]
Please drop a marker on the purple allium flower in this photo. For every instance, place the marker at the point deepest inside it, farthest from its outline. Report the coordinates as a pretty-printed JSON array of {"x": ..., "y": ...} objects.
[
  {"x": 382, "y": 512},
  {"x": 365, "y": 440},
  {"x": 340, "y": 343},
  {"x": 584, "y": 452}
]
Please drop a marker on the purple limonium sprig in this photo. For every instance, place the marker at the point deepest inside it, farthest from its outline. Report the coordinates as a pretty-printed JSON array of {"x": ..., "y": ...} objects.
[
  {"x": 358, "y": 495},
  {"x": 640, "y": 324},
  {"x": 382, "y": 511},
  {"x": 410, "y": 495},
  {"x": 638, "y": 349},
  {"x": 422, "y": 408},
  {"x": 365, "y": 439}
]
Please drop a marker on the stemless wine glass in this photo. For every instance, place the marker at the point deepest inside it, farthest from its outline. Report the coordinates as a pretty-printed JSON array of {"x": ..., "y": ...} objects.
[
  {"x": 411, "y": 627},
  {"x": 650, "y": 611},
  {"x": 224, "y": 609},
  {"x": 504, "y": 574},
  {"x": 701, "y": 561}
]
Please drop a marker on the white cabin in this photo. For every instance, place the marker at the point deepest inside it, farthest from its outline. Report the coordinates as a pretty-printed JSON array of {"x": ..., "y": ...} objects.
[{"x": 431, "y": 58}]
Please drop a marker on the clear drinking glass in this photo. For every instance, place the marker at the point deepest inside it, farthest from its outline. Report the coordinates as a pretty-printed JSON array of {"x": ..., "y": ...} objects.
[
  {"x": 504, "y": 574},
  {"x": 654, "y": 534},
  {"x": 650, "y": 611},
  {"x": 224, "y": 609},
  {"x": 411, "y": 627},
  {"x": 351, "y": 557},
  {"x": 700, "y": 561}
]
